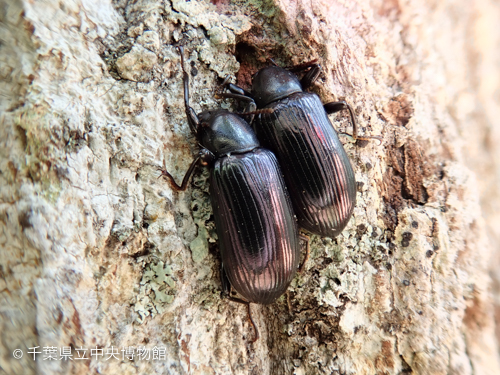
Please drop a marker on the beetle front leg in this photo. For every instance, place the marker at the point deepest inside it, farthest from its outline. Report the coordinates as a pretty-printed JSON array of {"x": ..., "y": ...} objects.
[
  {"x": 311, "y": 76},
  {"x": 334, "y": 107},
  {"x": 238, "y": 90},
  {"x": 233, "y": 88},
  {"x": 313, "y": 72},
  {"x": 242, "y": 98},
  {"x": 251, "y": 108},
  {"x": 239, "y": 94}
]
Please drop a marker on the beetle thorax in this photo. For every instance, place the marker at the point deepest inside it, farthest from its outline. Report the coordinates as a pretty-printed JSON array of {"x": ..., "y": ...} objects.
[
  {"x": 223, "y": 133},
  {"x": 273, "y": 83}
]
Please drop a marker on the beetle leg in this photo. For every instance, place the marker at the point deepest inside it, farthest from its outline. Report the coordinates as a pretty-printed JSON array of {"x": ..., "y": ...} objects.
[
  {"x": 225, "y": 82},
  {"x": 242, "y": 98},
  {"x": 288, "y": 302},
  {"x": 232, "y": 87},
  {"x": 311, "y": 76},
  {"x": 185, "y": 180},
  {"x": 308, "y": 251},
  {"x": 238, "y": 90},
  {"x": 249, "y": 316},
  {"x": 253, "y": 323},
  {"x": 334, "y": 107},
  {"x": 239, "y": 94},
  {"x": 302, "y": 67},
  {"x": 235, "y": 89},
  {"x": 225, "y": 293},
  {"x": 250, "y": 108}
]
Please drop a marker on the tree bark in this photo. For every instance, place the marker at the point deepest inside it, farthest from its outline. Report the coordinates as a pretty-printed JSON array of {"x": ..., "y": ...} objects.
[{"x": 98, "y": 253}]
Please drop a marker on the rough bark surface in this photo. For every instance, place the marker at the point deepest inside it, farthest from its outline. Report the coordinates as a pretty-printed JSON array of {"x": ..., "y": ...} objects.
[{"x": 97, "y": 252}]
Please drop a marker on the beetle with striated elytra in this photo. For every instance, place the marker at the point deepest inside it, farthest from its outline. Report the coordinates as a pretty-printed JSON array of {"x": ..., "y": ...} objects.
[
  {"x": 256, "y": 226},
  {"x": 295, "y": 126}
]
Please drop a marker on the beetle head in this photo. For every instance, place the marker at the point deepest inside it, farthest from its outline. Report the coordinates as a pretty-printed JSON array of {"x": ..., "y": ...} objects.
[
  {"x": 223, "y": 132},
  {"x": 273, "y": 83}
]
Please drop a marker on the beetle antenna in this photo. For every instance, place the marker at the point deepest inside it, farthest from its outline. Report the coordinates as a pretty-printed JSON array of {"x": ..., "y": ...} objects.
[
  {"x": 272, "y": 61},
  {"x": 190, "y": 113},
  {"x": 185, "y": 77}
]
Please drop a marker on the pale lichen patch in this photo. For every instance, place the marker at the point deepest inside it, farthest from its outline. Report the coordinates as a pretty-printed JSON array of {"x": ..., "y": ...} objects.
[{"x": 157, "y": 289}]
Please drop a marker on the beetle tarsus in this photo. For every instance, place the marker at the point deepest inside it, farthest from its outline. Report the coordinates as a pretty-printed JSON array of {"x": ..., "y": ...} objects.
[{"x": 334, "y": 107}]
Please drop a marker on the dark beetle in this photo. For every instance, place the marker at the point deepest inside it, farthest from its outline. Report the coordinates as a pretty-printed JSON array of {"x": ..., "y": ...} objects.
[
  {"x": 297, "y": 129},
  {"x": 257, "y": 230}
]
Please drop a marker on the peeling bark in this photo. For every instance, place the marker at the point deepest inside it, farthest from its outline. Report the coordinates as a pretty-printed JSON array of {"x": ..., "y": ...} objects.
[{"x": 97, "y": 252}]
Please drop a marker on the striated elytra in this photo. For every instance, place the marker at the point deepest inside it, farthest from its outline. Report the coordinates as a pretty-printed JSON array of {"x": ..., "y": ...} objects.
[
  {"x": 257, "y": 230},
  {"x": 258, "y": 236},
  {"x": 296, "y": 127}
]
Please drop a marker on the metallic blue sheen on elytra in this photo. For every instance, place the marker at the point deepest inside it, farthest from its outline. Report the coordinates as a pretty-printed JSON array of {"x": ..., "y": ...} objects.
[
  {"x": 316, "y": 168},
  {"x": 258, "y": 236}
]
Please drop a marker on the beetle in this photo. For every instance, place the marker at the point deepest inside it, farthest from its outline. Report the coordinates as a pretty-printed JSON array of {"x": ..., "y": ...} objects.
[
  {"x": 255, "y": 223},
  {"x": 297, "y": 129}
]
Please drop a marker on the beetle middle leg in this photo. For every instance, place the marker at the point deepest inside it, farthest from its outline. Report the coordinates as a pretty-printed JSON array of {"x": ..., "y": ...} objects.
[
  {"x": 204, "y": 156},
  {"x": 334, "y": 107},
  {"x": 186, "y": 178}
]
